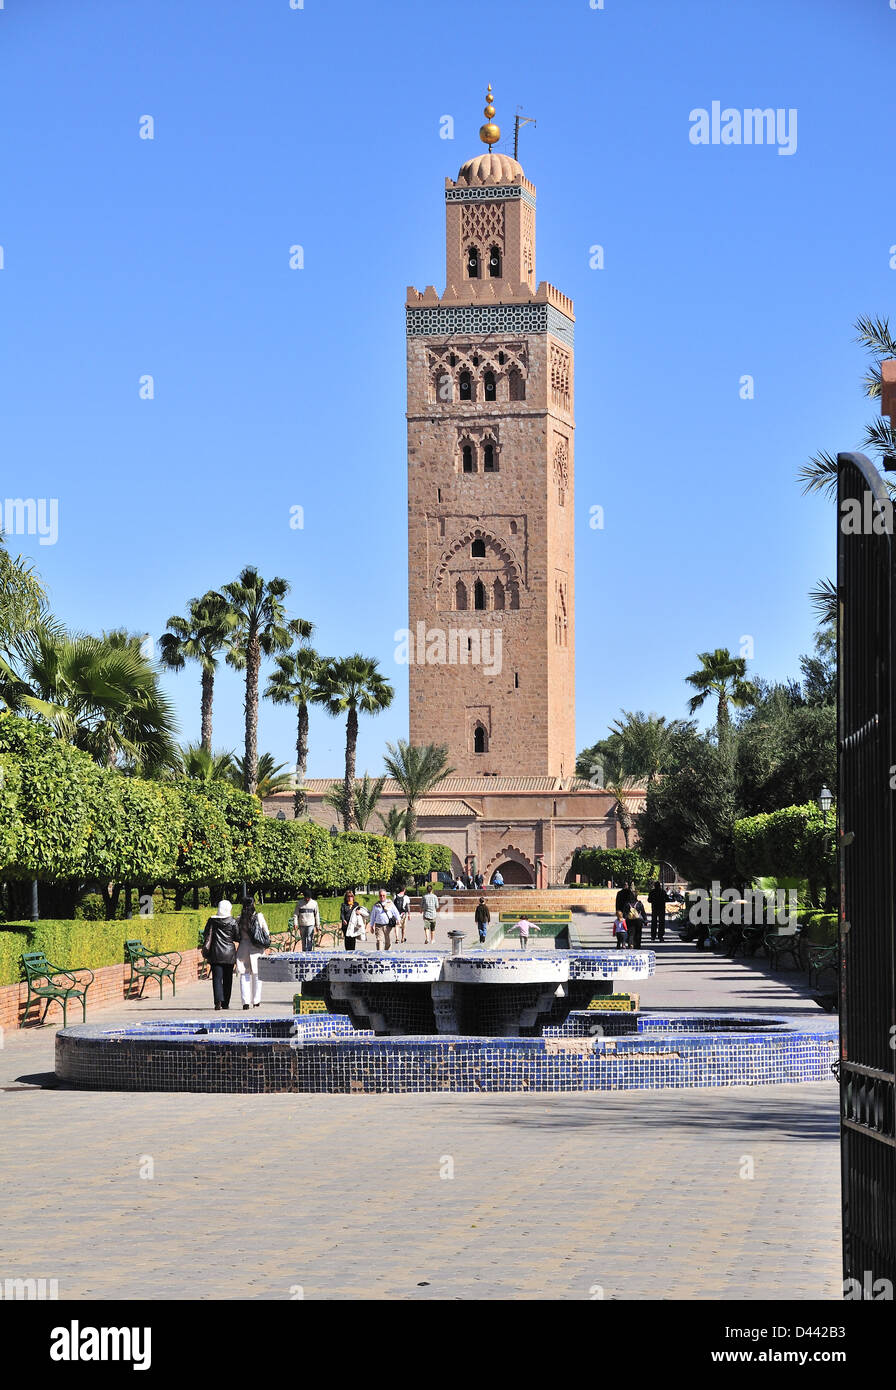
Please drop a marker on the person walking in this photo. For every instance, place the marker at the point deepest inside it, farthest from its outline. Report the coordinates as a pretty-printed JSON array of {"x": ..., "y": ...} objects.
[
  {"x": 254, "y": 941},
  {"x": 657, "y": 897},
  {"x": 430, "y": 914},
  {"x": 383, "y": 917},
  {"x": 637, "y": 920},
  {"x": 351, "y": 919},
  {"x": 403, "y": 908},
  {"x": 306, "y": 916},
  {"x": 219, "y": 943},
  {"x": 483, "y": 917},
  {"x": 620, "y": 930},
  {"x": 625, "y": 898},
  {"x": 524, "y": 926}
]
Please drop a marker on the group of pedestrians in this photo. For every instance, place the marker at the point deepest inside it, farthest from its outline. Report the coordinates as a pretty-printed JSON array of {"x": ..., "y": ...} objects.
[
  {"x": 631, "y": 917},
  {"x": 230, "y": 941}
]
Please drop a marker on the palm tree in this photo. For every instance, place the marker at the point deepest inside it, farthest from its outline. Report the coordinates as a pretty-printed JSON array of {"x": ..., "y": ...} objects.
[
  {"x": 201, "y": 766},
  {"x": 352, "y": 685},
  {"x": 825, "y": 601},
  {"x": 393, "y": 824},
  {"x": 722, "y": 675},
  {"x": 261, "y": 628},
  {"x": 820, "y": 473},
  {"x": 269, "y": 777},
  {"x": 619, "y": 790},
  {"x": 23, "y": 599},
  {"x": 644, "y": 740},
  {"x": 416, "y": 770},
  {"x": 103, "y": 695},
  {"x": 296, "y": 681},
  {"x": 366, "y": 795},
  {"x": 199, "y": 637}
]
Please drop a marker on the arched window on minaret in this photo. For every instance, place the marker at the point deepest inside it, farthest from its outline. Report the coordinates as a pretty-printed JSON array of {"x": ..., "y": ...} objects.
[
  {"x": 517, "y": 385},
  {"x": 479, "y": 594},
  {"x": 514, "y": 596},
  {"x": 473, "y": 263},
  {"x": 465, "y": 382},
  {"x": 499, "y": 595},
  {"x": 480, "y": 740},
  {"x": 469, "y": 463},
  {"x": 494, "y": 262},
  {"x": 488, "y": 459},
  {"x": 477, "y": 549},
  {"x": 460, "y": 596},
  {"x": 489, "y": 383}
]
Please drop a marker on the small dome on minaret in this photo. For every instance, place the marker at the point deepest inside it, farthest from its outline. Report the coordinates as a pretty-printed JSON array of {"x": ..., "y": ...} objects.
[{"x": 489, "y": 168}]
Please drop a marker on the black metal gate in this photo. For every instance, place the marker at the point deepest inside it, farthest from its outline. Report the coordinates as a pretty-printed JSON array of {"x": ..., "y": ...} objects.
[{"x": 866, "y": 706}]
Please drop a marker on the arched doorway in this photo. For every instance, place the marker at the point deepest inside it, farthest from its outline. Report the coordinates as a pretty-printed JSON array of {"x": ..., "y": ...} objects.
[{"x": 515, "y": 873}]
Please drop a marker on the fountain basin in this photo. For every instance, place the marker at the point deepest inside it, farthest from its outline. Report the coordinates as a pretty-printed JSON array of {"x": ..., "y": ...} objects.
[{"x": 589, "y": 1051}]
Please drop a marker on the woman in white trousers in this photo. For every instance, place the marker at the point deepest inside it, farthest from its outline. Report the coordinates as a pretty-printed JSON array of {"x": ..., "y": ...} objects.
[{"x": 249, "y": 952}]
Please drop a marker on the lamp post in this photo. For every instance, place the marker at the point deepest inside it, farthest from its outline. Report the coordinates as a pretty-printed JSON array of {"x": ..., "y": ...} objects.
[{"x": 825, "y": 802}]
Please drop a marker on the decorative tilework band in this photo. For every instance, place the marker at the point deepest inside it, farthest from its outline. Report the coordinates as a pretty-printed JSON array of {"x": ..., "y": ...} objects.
[
  {"x": 506, "y": 193},
  {"x": 490, "y": 318}
]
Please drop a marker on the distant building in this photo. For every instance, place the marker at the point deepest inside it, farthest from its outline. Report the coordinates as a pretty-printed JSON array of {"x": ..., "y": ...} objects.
[{"x": 490, "y": 642}]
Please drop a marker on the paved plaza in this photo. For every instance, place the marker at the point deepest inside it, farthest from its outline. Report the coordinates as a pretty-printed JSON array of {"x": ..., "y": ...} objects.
[{"x": 712, "y": 1194}]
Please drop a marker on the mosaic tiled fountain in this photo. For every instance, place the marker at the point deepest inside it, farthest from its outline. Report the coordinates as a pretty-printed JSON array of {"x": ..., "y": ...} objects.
[{"x": 430, "y": 1021}]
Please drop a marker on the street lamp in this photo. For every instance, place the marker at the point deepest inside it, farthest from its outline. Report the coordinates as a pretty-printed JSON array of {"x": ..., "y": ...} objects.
[
  {"x": 825, "y": 800},
  {"x": 334, "y": 830}
]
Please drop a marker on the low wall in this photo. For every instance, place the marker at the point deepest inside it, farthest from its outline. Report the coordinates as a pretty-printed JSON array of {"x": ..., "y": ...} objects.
[{"x": 109, "y": 989}]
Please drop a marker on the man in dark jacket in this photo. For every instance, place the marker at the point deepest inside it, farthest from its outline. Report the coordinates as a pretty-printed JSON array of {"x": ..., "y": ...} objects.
[
  {"x": 625, "y": 898},
  {"x": 657, "y": 897},
  {"x": 483, "y": 917},
  {"x": 219, "y": 942}
]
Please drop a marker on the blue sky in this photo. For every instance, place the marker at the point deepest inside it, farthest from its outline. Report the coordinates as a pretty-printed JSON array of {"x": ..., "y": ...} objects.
[{"x": 277, "y": 388}]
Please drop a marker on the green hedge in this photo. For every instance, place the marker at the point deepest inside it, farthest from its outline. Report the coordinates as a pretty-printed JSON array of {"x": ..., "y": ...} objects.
[
  {"x": 94, "y": 944},
  {"x": 796, "y": 842},
  {"x": 618, "y": 865},
  {"x": 67, "y": 822}
]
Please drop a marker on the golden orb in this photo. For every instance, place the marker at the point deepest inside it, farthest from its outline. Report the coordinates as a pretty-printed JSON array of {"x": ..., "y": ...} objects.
[{"x": 490, "y": 134}]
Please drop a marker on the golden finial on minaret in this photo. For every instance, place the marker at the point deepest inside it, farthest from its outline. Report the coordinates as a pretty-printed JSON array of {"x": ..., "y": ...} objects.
[{"x": 489, "y": 134}]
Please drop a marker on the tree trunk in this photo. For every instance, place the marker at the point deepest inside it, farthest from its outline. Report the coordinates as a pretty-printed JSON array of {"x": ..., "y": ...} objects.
[
  {"x": 410, "y": 821},
  {"x": 208, "y": 692},
  {"x": 299, "y": 800},
  {"x": 253, "y": 663},
  {"x": 348, "y": 786}
]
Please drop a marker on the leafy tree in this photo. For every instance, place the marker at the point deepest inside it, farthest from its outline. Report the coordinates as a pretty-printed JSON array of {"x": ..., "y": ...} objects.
[
  {"x": 297, "y": 681},
  {"x": 200, "y": 637},
  {"x": 261, "y": 629},
  {"x": 601, "y": 764},
  {"x": 349, "y": 686},
  {"x": 689, "y": 813},
  {"x": 417, "y": 770}
]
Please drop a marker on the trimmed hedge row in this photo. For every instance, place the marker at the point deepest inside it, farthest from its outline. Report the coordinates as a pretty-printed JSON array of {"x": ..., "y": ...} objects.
[
  {"x": 71, "y": 944},
  {"x": 94, "y": 944},
  {"x": 618, "y": 865},
  {"x": 795, "y": 842},
  {"x": 63, "y": 820}
]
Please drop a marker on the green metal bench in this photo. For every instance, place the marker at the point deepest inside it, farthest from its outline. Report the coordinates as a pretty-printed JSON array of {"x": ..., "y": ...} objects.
[
  {"x": 821, "y": 958},
  {"x": 148, "y": 965},
  {"x": 283, "y": 940},
  {"x": 60, "y": 984},
  {"x": 780, "y": 944}
]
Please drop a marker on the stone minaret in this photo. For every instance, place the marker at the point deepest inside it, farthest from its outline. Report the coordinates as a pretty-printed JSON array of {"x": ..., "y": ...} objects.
[{"x": 490, "y": 489}]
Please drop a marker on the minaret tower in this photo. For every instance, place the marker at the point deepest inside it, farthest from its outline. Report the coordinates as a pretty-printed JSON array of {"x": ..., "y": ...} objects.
[{"x": 490, "y": 488}]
